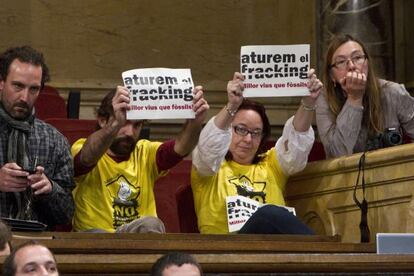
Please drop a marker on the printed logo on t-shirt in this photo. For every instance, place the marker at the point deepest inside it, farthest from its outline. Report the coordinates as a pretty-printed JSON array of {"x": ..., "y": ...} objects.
[
  {"x": 245, "y": 187},
  {"x": 124, "y": 201}
]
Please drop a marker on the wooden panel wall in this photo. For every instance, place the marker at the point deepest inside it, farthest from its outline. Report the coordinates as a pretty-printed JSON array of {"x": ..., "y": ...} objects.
[
  {"x": 404, "y": 42},
  {"x": 88, "y": 44},
  {"x": 323, "y": 193}
]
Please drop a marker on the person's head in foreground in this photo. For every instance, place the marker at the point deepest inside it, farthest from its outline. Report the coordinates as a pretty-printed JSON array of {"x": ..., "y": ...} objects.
[
  {"x": 176, "y": 264},
  {"x": 5, "y": 239},
  {"x": 30, "y": 258}
]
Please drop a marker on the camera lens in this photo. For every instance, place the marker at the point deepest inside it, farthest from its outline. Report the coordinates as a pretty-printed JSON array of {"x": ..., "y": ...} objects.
[
  {"x": 395, "y": 139},
  {"x": 392, "y": 137}
]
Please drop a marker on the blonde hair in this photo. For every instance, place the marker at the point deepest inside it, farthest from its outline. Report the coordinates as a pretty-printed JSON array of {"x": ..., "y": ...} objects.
[{"x": 373, "y": 116}]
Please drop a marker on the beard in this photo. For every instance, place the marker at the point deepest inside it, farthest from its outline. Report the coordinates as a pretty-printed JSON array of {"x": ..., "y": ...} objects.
[
  {"x": 25, "y": 107},
  {"x": 18, "y": 111},
  {"x": 123, "y": 146}
]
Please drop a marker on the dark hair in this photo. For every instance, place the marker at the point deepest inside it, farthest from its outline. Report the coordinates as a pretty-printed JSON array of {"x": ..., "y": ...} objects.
[
  {"x": 9, "y": 265},
  {"x": 24, "y": 54},
  {"x": 173, "y": 258},
  {"x": 105, "y": 109},
  {"x": 5, "y": 236},
  {"x": 260, "y": 109},
  {"x": 372, "y": 118}
]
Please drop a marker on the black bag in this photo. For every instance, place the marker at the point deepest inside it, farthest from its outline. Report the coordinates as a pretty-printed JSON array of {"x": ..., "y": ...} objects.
[{"x": 24, "y": 225}]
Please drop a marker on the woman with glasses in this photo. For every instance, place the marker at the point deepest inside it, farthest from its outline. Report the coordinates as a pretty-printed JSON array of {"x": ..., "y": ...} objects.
[
  {"x": 357, "y": 111},
  {"x": 231, "y": 160}
]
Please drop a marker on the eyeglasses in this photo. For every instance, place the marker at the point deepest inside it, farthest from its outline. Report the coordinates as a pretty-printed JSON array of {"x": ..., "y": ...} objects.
[
  {"x": 342, "y": 63},
  {"x": 242, "y": 131}
]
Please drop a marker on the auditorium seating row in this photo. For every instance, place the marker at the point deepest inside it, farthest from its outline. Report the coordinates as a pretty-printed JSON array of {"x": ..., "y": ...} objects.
[
  {"x": 131, "y": 254},
  {"x": 173, "y": 193}
]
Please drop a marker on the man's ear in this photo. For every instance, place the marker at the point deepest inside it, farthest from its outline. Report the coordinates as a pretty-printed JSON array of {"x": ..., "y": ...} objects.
[
  {"x": 102, "y": 122},
  {"x": 1, "y": 85}
]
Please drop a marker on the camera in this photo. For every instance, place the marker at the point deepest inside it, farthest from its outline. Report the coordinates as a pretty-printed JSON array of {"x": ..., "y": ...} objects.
[{"x": 390, "y": 137}]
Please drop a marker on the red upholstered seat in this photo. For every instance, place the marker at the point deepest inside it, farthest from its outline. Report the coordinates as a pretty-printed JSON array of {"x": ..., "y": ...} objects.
[
  {"x": 73, "y": 129},
  {"x": 49, "y": 90},
  {"x": 49, "y": 104},
  {"x": 169, "y": 208},
  {"x": 185, "y": 208},
  {"x": 317, "y": 152}
]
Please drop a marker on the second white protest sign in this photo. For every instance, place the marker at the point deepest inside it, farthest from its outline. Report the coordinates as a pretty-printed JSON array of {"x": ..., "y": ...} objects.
[
  {"x": 159, "y": 93},
  {"x": 275, "y": 70}
]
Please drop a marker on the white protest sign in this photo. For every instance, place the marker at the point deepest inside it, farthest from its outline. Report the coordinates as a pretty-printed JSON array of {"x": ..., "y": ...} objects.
[
  {"x": 159, "y": 93},
  {"x": 275, "y": 70},
  {"x": 240, "y": 209}
]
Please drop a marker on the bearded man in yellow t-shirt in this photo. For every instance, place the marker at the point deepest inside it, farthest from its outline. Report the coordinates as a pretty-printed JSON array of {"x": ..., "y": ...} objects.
[{"x": 115, "y": 171}]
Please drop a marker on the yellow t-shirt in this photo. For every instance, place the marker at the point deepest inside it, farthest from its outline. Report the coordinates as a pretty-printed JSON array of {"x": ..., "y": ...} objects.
[
  {"x": 112, "y": 193},
  {"x": 264, "y": 182}
]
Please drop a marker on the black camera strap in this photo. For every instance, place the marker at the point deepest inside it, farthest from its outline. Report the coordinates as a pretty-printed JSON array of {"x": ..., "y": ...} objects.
[{"x": 363, "y": 225}]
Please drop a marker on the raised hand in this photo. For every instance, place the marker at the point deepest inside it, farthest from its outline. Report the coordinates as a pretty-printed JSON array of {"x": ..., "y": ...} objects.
[
  {"x": 120, "y": 104},
  {"x": 235, "y": 89},
  {"x": 200, "y": 105},
  {"x": 315, "y": 87}
]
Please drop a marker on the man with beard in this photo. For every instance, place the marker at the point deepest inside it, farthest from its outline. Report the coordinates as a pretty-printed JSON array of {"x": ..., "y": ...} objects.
[
  {"x": 115, "y": 171},
  {"x": 36, "y": 173}
]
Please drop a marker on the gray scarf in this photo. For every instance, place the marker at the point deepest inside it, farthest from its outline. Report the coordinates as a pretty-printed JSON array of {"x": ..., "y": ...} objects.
[{"x": 17, "y": 151}]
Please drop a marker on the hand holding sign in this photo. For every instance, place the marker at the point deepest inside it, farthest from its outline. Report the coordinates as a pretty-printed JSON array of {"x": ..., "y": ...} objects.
[
  {"x": 275, "y": 70},
  {"x": 120, "y": 104},
  {"x": 200, "y": 105},
  {"x": 188, "y": 138},
  {"x": 302, "y": 120},
  {"x": 235, "y": 89},
  {"x": 159, "y": 93},
  {"x": 314, "y": 86}
]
